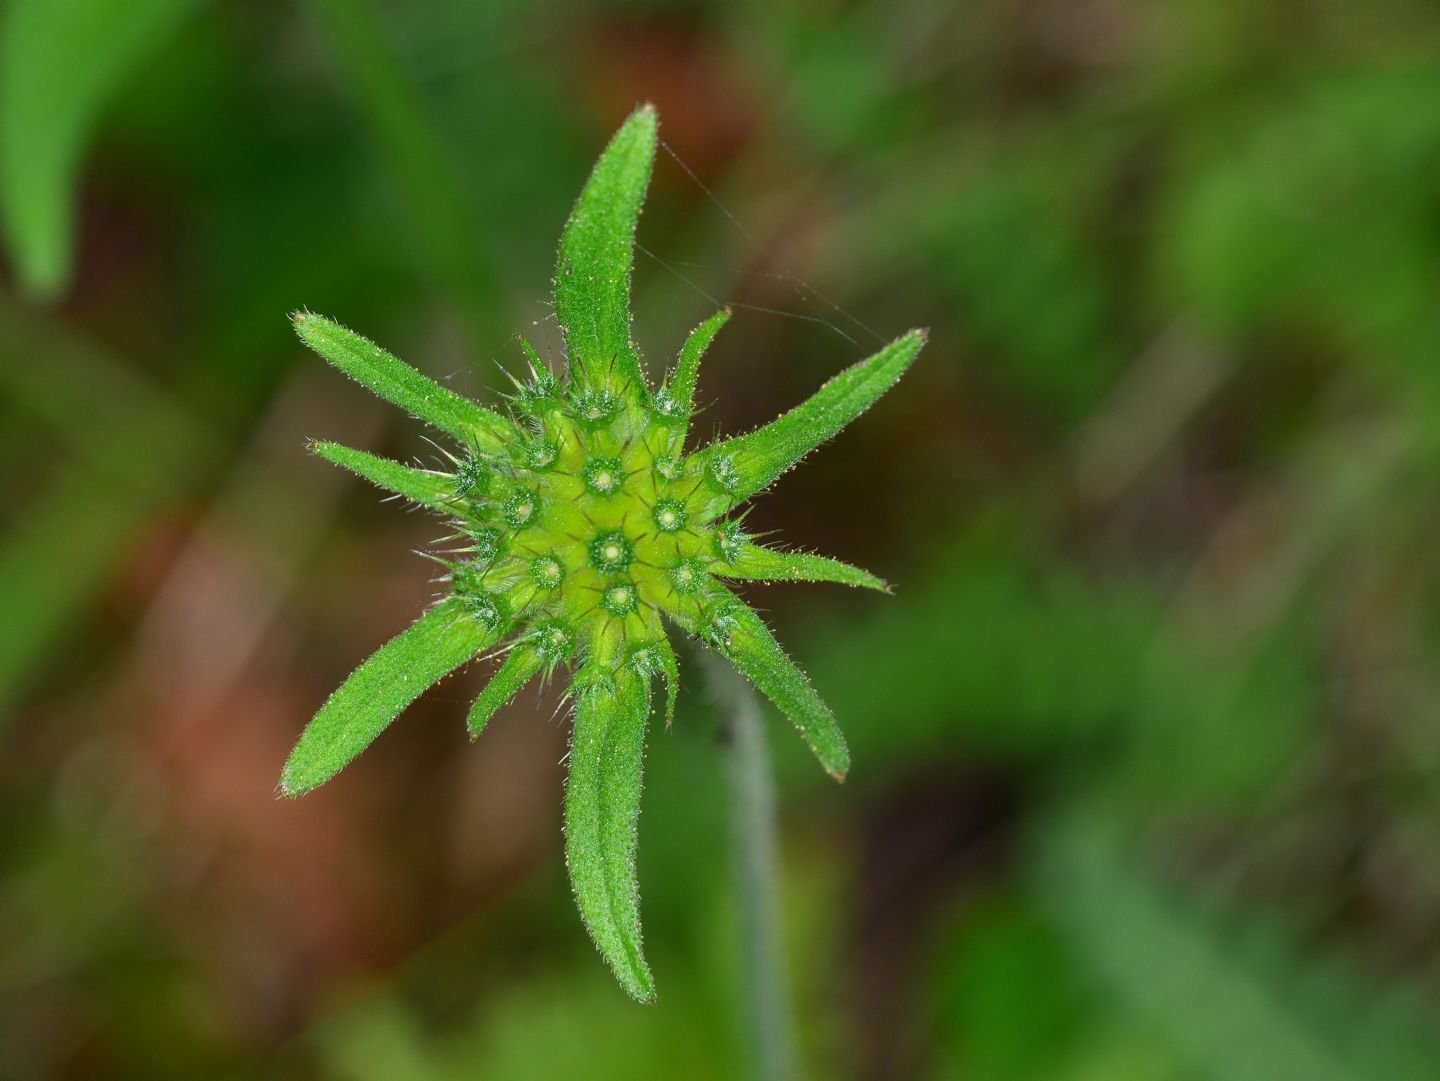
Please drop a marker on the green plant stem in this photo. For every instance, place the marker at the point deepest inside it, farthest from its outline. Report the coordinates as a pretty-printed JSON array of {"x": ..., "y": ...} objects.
[{"x": 755, "y": 828}]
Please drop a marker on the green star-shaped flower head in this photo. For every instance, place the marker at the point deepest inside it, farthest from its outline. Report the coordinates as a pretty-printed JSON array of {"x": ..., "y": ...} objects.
[{"x": 587, "y": 527}]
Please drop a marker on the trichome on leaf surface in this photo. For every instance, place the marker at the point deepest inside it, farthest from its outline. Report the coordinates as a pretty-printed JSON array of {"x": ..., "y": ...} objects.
[{"x": 582, "y": 525}]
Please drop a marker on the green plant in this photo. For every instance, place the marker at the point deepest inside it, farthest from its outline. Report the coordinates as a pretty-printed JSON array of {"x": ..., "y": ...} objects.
[{"x": 582, "y": 522}]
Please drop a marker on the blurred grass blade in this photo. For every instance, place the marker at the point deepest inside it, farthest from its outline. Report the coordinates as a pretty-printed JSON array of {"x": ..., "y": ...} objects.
[
  {"x": 592, "y": 274},
  {"x": 128, "y": 450},
  {"x": 60, "y": 63},
  {"x": 749, "y": 463},
  {"x": 431, "y": 192},
  {"x": 520, "y": 665},
  {"x": 757, "y": 564},
  {"x": 602, "y": 812},
  {"x": 1230, "y": 995},
  {"x": 467, "y": 422},
  {"x": 132, "y": 430},
  {"x": 53, "y": 561},
  {"x": 395, "y": 675},
  {"x": 416, "y": 485},
  {"x": 681, "y": 384},
  {"x": 752, "y": 649}
]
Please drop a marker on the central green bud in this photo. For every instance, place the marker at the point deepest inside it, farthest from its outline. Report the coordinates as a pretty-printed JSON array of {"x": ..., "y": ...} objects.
[
  {"x": 611, "y": 552},
  {"x": 619, "y": 600},
  {"x": 669, "y": 515},
  {"x": 592, "y": 524},
  {"x": 603, "y": 475}
]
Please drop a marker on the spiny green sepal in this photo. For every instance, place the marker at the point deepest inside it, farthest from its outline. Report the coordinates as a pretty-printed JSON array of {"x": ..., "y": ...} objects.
[
  {"x": 738, "y": 468},
  {"x": 420, "y": 486},
  {"x": 468, "y": 423},
  {"x": 752, "y": 649},
  {"x": 756, "y": 564}
]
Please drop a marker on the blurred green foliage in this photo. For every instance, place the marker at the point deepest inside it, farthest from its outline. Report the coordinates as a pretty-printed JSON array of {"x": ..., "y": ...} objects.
[
  {"x": 60, "y": 66},
  {"x": 1145, "y": 770}
]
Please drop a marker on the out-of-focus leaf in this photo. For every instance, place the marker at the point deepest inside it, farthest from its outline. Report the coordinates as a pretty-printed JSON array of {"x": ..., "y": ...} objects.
[
  {"x": 434, "y": 200},
  {"x": 1309, "y": 209},
  {"x": 1034, "y": 297},
  {"x": 1000, "y": 648},
  {"x": 131, "y": 447},
  {"x": 52, "y": 564},
  {"x": 530, "y": 1034},
  {"x": 1228, "y": 994},
  {"x": 60, "y": 62},
  {"x": 992, "y": 644},
  {"x": 1220, "y": 724},
  {"x": 1008, "y": 1003}
]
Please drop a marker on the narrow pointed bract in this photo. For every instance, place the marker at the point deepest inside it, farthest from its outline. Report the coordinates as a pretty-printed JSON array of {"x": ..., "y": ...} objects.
[
  {"x": 387, "y": 377},
  {"x": 602, "y": 813},
  {"x": 520, "y": 664},
  {"x": 756, "y": 564},
  {"x": 592, "y": 274},
  {"x": 578, "y": 529},
  {"x": 677, "y": 397},
  {"x": 395, "y": 675},
  {"x": 670, "y": 672},
  {"x": 752, "y": 649},
  {"x": 749, "y": 463},
  {"x": 428, "y": 489}
]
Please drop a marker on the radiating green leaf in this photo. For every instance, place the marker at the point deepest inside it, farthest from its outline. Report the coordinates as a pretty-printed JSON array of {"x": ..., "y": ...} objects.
[
  {"x": 592, "y": 274},
  {"x": 742, "y": 466},
  {"x": 757, "y": 564},
  {"x": 521, "y": 663},
  {"x": 61, "y": 61},
  {"x": 602, "y": 811},
  {"x": 681, "y": 385},
  {"x": 469, "y": 423},
  {"x": 416, "y": 485},
  {"x": 752, "y": 649},
  {"x": 392, "y": 677}
]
